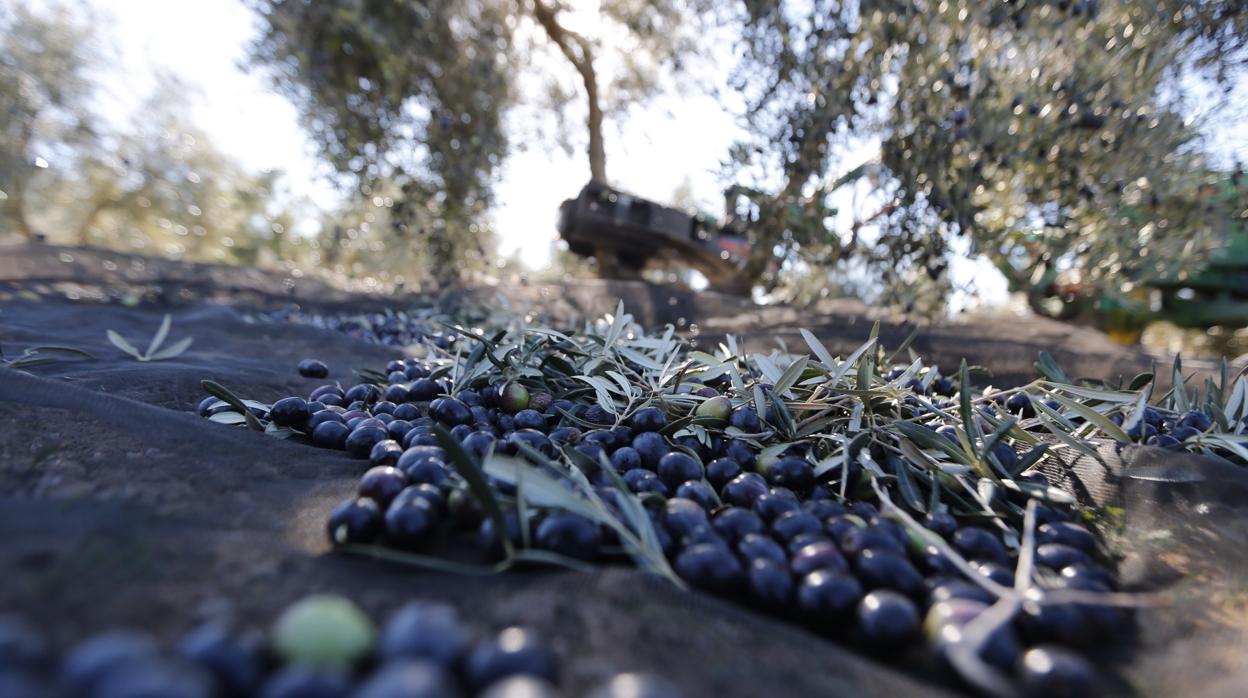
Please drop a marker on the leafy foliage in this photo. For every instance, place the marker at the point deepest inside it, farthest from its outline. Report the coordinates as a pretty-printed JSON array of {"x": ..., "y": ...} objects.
[
  {"x": 408, "y": 101},
  {"x": 158, "y": 186},
  {"x": 1051, "y": 137},
  {"x": 411, "y": 93}
]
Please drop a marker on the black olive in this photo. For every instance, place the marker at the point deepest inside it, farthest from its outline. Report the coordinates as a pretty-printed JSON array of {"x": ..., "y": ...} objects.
[
  {"x": 651, "y": 446},
  {"x": 1067, "y": 534},
  {"x": 647, "y": 419},
  {"x": 817, "y": 556},
  {"x": 290, "y": 412},
  {"x": 325, "y": 391},
  {"x": 959, "y": 589},
  {"x": 887, "y": 619},
  {"x": 1056, "y": 672},
  {"x": 92, "y": 661},
  {"x": 354, "y": 521},
  {"x": 209, "y": 406},
  {"x": 514, "y": 651},
  {"x": 423, "y": 390},
  {"x": 997, "y": 572},
  {"x": 535, "y": 440},
  {"x": 802, "y": 540},
  {"x": 311, "y": 368},
  {"x": 741, "y": 452},
  {"x": 411, "y": 524},
  {"x": 363, "y": 392},
  {"x": 744, "y": 490},
  {"x": 698, "y": 491},
  {"x": 882, "y": 569},
  {"x": 676, "y": 467},
  {"x": 770, "y": 506},
  {"x": 569, "y": 534},
  {"x": 1042, "y": 621},
  {"x": 826, "y": 597},
  {"x": 597, "y": 415},
  {"x": 235, "y": 662},
  {"x": 627, "y": 686},
  {"x": 396, "y": 394},
  {"x": 1196, "y": 420},
  {"x": 823, "y": 509},
  {"x": 769, "y": 583},
  {"x": 625, "y": 458},
  {"x": 745, "y": 419},
  {"x": 407, "y": 678},
  {"x": 450, "y": 411},
  {"x": 362, "y": 438},
  {"x": 430, "y": 493},
  {"x": 793, "y": 473},
  {"x": 753, "y": 546},
  {"x": 1087, "y": 573},
  {"x": 1057, "y": 556},
  {"x": 520, "y": 687},
  {"x": 946, "y": 622},
  {"x": 709, "y": 567},
  {"x": 979, "y": 544},
  {"x": 530, "y": 419},
  {"x": 721, "y": 471},
  {"x": 406, "y": 412},
  {"x": 640, "y": 481},
  {"x": 941, "y": 523},
  {"x": 155, "y": 676},
  {"x": 789, "y": 525},
  {"x": 680, "y": 516},
  {"x": 302, "y": 681},
  {"x": 734, "y": 523},
  {"x": 382, "y": 483},
  {"x": 420, "y": 630},
  {"x": 330, "y": 434}
]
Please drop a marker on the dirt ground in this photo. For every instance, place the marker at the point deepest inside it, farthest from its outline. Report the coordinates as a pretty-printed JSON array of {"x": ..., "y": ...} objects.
[{"x": 119, "y": 507}]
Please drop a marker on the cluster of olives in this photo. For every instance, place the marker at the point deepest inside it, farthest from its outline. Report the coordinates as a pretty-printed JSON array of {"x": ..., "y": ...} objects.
[
  {"x": 1155, "y": 427},
  {"x": 758, "y": 528},
  {"x": 320, "y": 647}
]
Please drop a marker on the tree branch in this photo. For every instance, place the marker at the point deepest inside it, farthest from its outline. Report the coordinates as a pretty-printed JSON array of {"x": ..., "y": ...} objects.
[{"x": 579, "y": 52}]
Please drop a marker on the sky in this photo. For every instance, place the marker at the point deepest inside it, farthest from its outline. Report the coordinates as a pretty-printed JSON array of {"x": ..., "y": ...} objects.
[{"x": 651, "y": 153}]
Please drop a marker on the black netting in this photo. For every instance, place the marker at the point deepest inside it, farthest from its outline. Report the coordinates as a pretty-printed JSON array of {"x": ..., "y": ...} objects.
[{"x": 121, "y": 507}]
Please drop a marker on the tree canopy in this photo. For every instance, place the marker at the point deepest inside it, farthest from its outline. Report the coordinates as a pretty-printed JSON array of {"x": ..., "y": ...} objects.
[
  {"x": 413, "y": 95},
  {"x": 158, "y": 185},
  {"x": 1052, "y": 137}
]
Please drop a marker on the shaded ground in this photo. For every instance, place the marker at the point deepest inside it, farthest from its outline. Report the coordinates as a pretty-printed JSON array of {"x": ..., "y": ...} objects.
[
  {"x": 129, "y": 510},
  {"x": 1006, "y": 344},
  {"x": 119, "y": 507}
]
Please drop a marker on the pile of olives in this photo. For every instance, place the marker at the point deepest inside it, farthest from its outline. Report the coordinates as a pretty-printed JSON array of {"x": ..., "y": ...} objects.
[
  {"x": 320, "y": 647},
  {"x": 759, "y": 528}
]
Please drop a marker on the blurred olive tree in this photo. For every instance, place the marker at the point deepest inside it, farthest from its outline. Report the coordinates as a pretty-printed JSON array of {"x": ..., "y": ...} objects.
[
  {"x": 1058, "y": 138},
  {"x": 157, "y": 186},
  {"x": 45, "y": 93},
  {"x": 409, "y": 100}
]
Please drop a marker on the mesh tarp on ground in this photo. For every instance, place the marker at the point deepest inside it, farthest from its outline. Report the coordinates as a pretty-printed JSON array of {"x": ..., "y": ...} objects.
[{"x": 120, "y": 507}]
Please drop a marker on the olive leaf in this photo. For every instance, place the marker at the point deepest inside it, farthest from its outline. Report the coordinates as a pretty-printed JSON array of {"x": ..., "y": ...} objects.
[
  {"x": 154, "y": 351},
  {"x": 40, "y": 355}
]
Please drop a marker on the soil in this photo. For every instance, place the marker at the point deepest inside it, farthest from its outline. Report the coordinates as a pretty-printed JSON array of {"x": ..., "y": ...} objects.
[{"x": 120, "y": 507}]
